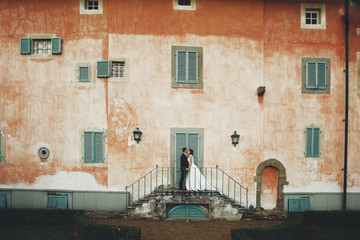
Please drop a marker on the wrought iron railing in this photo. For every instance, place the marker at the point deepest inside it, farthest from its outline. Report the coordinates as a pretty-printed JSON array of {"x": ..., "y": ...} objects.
[{"x": 166, "y": 178}]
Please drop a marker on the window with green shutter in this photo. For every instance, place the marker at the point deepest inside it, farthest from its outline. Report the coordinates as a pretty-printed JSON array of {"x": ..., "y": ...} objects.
[
  {"x": 188, "y": 140},
  {"x": 93, "y": 147},
  {"x": 84, "y": 74},
  {"x": 312, "y": 142},
  {"x": 40, "y": 45},
  {"x": 315, "y": 75},
  {"x": 192, "y": 138},
  {"x": 57, "y": 202},
  {"x": 186, "y": 67}
]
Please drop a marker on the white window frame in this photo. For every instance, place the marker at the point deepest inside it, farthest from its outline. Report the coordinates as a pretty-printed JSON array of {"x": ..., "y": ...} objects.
[
  {"x": 92, "y": 11},
  {"x": 322, "y": 18},
  {"x": 191, "y": 7}
]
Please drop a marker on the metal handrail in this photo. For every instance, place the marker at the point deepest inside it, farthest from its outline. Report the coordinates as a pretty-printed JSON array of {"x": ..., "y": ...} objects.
[{"x": 166, "y": 178}]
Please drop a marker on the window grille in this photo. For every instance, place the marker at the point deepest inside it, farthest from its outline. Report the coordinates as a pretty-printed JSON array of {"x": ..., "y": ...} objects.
[
  {"x": 117, "y": 69},
  {"x": 41, "y": 46}
]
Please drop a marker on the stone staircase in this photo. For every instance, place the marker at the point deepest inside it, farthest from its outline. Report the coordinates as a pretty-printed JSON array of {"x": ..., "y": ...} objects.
[{"x": 158, "y": 203}]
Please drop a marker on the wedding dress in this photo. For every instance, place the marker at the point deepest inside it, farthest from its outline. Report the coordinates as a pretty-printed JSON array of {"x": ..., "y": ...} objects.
[{"x": 195, "y": 180}]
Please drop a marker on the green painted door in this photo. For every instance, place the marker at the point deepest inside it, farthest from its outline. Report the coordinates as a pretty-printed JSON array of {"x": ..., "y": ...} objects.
[
  {"x": 187, "y": 211},
  {"x": 188, "y": 140}
]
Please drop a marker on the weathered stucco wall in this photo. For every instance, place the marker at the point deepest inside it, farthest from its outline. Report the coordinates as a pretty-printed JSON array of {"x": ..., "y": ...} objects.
[{"x": 246, "y": 44}]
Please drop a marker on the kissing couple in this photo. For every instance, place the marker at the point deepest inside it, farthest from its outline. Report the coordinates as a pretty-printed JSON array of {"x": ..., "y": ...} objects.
[{"x": 194, "y": 180}]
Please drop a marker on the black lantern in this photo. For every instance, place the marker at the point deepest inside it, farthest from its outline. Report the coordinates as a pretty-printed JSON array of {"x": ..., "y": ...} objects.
[
  {"x": 235, "y": 138},
  {"x": 137, "y": 135}
]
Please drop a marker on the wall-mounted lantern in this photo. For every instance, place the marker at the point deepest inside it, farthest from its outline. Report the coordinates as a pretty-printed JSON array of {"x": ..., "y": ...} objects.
[
  {"x": 137, "y": 135},
  {"x": 235, "y": 138}
]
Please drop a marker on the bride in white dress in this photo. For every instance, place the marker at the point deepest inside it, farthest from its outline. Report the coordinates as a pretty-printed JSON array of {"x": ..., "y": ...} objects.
[{"x": 194, "y": 179}]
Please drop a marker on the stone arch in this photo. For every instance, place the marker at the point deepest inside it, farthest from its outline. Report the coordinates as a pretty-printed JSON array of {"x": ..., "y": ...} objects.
[{"x": 281, "y": 181}]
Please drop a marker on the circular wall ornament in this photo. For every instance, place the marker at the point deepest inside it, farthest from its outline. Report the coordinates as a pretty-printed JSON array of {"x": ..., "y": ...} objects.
[{"x": 44, "y": 152}]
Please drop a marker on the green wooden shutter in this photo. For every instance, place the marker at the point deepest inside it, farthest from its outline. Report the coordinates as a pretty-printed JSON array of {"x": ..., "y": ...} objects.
[
  {"x": 180, "y": 142},
  {"x": 57, "y": 202},
  {"x": 193, "y": 67},
  {"x": 103, "y": 69},
  {"x": 84, "y": 74},
  {"x": 25, "y": 45},
  {"x": 99, "y": 147},
  {"x": 88, "y": 147},
  {"x": 193, "y": 143},
  {"x": 56, "y": 45},
  {"x": 181, "y": 66},
  {"x": 311, "y": 75},
  {"x": 321, "y": 75},
  {"x": 2, "y": 200},
  {"x": 308, "y": 144},
  {"x": 312, "y": 142},
  {"x": 316, "y": 143},
  {"x": 62, "y": 202}
]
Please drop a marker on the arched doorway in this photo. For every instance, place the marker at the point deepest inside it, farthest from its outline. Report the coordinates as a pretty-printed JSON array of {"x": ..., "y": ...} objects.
[{"x": 274, "y": 173}]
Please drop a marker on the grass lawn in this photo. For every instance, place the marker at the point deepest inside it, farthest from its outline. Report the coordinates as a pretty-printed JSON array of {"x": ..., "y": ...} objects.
[
  {"x": 332, "y": 234},
  {"x": 36, "y": 232}
]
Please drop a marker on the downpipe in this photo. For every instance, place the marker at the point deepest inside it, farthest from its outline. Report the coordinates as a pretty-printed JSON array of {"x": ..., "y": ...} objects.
[{"x": 346, "y": 101}]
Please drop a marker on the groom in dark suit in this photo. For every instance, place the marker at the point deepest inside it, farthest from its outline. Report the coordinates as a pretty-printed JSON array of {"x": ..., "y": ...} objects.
[{"x": 184, "y": 165}]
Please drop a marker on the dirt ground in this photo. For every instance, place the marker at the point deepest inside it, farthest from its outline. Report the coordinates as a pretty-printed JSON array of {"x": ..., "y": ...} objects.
[{"x": 180, "y": 229}]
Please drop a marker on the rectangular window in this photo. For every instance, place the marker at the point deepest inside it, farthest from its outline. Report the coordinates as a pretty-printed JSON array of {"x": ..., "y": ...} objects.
[
  {"x": 115, "y": 69},
  {"x": 91, "y": 5},
  {"x": 316, "y": 75},
  {"x": 184, "y": 5},
  {"x": 312, "y": 16},
  {"x": 40, "y": 46},
  {"x": 184, "y": 2},
  {"x": 57, "y": 202},
  {"x": 186, "y": 67},
  {"x": 93, "y": 147},
  {"x": 312, "y": 145},
  {"x": 84, "y": 74}
]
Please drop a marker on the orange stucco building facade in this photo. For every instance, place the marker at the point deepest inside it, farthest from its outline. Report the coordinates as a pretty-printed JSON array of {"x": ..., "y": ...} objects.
[{"x": 241, "y": 45}]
